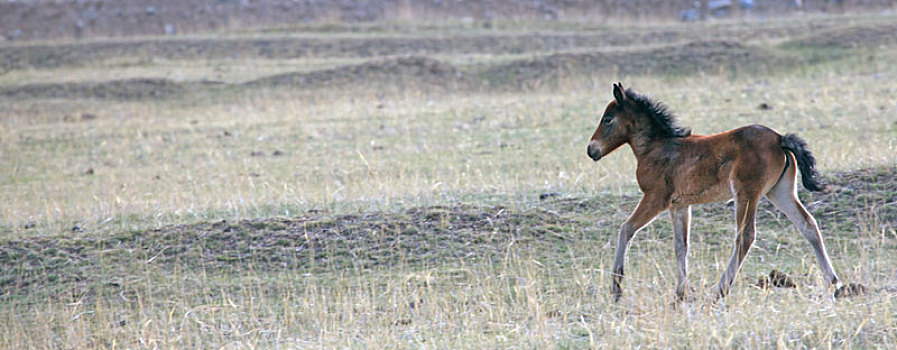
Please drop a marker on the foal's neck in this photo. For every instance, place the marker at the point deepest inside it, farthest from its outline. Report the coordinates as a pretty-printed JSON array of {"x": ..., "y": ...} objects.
[{"x": 644, "y": 147}]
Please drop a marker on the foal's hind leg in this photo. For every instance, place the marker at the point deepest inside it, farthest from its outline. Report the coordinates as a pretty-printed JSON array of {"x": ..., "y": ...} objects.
[
  {"x": 784, "y": 196},
  {"x": 745, "y": 219}
]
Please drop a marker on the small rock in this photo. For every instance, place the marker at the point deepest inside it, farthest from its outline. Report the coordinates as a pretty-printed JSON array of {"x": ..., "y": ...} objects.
[
  {"x": 77, "y": 228},
  {"x": 89, "y": 171},
  {"x": 277, "y": 153},
  {"x": 257, "y": 153},
  {"x": 764, "y": 106}
]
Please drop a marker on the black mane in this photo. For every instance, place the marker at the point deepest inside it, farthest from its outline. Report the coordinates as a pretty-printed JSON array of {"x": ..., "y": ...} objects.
[{"x": 663, "y": 123}]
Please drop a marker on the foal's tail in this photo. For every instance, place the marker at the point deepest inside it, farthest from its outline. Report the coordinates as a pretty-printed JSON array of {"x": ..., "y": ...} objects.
[{"x": 805, "y": 161}]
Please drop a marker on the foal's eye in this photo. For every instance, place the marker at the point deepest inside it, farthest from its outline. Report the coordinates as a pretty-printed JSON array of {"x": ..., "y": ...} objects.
[{"x": 607, "y": 119}]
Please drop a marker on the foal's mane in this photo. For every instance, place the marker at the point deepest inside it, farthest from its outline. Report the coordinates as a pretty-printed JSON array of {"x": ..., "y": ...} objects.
[{"x": 663, "y": 122}]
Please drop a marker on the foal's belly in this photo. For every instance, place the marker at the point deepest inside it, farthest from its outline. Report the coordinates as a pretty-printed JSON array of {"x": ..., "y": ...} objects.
[{"x": 696, "y": 195}]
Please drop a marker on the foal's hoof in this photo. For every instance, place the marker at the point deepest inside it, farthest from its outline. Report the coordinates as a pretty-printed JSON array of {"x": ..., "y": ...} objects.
[
  {"x": 616, "y": 297},
  {"x": 851, "y": 290},
  {"x": 616, "y": 294},
  {"x": 685, "y": 296},
  {"x": 683, "y": 300}
]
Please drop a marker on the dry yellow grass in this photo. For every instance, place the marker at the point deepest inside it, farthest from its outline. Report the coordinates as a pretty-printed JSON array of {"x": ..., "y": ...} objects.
[
  {"x": 187, "y": 159},
  {"x": 119, "y": 168}
]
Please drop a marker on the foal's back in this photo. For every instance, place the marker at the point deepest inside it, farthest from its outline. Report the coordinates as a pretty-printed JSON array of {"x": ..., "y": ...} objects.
[{"x": 715, "y": 167}]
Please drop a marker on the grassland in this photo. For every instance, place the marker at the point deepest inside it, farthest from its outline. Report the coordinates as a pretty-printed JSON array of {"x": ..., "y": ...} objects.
[{"x": 426, "y": 187}]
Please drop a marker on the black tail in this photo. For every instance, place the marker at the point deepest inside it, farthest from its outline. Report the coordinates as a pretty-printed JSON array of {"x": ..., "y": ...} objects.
[{"x": 805, "y": 161}]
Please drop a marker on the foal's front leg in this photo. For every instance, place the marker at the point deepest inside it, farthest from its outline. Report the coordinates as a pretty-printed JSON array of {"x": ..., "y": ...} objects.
[
  {"x": 647, "y": 210},
  {"x": 681, "y": 217}
]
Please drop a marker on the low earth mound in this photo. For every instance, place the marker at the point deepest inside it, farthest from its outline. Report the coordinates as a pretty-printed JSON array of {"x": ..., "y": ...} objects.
[
  {"x": 397, "y": 71},
  {"x": 847, "y": 38},
  {"x": 416, "y": 236},
  {"x": 137, "y": 88},
  {"x": 401, "y": 72},
  {"x": 689, "y": 58},
  {"x": 424, "y": 236},
  {"x": 80, "y": 54},
  {"x": 425, "y": 72},
  {"x": 42, "y": 56},
  {"x": 716, "y": 56}
]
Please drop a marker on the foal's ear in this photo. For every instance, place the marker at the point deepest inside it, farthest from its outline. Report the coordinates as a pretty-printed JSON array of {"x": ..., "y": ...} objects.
[{"x": 619, "y": 93}]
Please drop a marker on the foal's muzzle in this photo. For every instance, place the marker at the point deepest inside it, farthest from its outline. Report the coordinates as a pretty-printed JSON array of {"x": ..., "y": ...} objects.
[{"x": 593, "y": 151}]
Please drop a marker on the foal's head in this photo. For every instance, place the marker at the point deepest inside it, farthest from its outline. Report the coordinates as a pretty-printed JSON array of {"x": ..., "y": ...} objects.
[{"x": 628, "y": 116}]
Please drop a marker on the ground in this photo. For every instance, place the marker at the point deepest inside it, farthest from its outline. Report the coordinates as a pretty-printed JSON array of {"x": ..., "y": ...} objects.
[
  {"x": 426, "y": 185},
  {"x": 22, "y": 20}
]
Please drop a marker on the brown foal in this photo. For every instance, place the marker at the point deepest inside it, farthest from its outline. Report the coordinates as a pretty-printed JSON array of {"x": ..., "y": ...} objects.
[{"x": 677, "y": 169}]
